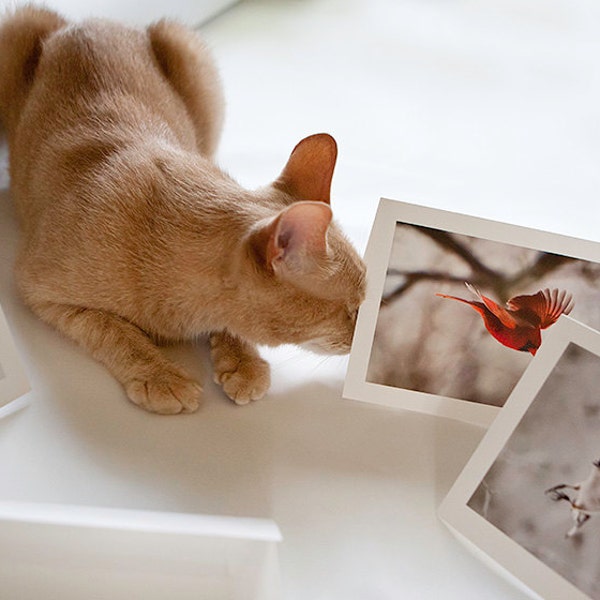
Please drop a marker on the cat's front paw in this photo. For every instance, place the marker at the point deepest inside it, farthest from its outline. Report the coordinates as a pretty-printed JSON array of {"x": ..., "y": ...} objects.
[
  {"x": 244, "y": 380},
  {"x": 165, "y": 392},
  {"x": 239, "y": 368}
]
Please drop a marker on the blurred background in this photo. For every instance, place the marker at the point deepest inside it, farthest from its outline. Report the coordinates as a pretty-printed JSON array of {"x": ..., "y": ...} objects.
[
  {"x": 191, "y": 12},
  {"x": 487, "y": 107}
]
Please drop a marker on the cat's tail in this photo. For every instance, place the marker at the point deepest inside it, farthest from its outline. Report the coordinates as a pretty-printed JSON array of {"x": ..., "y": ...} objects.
[{"x": 22, "y": 34}]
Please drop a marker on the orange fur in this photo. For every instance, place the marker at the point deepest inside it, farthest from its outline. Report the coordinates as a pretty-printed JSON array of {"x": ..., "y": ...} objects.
[{"x": 131, "y": 232}]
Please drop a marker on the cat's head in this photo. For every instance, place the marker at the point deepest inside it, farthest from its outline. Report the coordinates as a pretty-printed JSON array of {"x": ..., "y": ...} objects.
[{"x": 311, "y": 277}]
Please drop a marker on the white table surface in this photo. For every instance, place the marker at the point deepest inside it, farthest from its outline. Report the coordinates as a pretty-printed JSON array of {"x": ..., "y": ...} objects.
[{"x": 489, "y": 108}]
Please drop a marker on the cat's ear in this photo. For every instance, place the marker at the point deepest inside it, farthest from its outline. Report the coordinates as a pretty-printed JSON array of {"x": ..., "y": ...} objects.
[
  {"x": 309, "y": 170},
  {"x": 296, "y": 240}
]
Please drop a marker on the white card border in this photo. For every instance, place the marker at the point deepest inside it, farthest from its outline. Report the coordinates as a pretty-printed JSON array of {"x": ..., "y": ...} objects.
[
  {"x": 498, "y": 549},
  {"x": 14, "y": 384},
  {"x": 389, "y": 213}
]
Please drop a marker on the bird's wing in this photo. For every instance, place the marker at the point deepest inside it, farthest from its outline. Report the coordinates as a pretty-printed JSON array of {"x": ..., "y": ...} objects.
[
  {"x": 498, "y": 311},
  {"x": 543, "y": 308}
]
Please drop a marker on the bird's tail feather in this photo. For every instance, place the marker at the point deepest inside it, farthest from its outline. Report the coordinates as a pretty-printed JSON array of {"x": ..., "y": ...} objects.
[{"x": 463, "y": 300}]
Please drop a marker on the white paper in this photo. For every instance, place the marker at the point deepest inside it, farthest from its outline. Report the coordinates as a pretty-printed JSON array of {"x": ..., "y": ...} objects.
[
  {"x": 125, "y": 552},
  {"x": 141, "y": 520},
  {"x": 13, "y": 381}
]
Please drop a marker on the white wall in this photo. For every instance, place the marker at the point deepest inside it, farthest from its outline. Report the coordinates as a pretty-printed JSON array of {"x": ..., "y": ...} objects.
[{"x": 191, "y": 12}]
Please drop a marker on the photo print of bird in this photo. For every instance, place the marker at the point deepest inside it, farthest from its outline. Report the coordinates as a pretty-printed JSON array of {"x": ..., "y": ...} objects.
[{"x": 518, "y": 324}]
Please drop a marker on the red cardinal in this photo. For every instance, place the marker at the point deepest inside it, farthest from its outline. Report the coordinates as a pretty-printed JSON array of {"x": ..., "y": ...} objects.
[{"x": 519, "y": 324}]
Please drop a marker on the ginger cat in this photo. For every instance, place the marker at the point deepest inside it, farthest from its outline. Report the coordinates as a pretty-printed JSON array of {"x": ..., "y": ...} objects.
[{"x": 133, "y": 235}]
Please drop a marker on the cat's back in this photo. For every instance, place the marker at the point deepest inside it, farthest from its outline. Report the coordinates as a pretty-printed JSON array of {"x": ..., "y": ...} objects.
[
  {"x": 101, "y": 75},
  {"x": 96, "y": 57},
  {"x": 98, "y": 91}
]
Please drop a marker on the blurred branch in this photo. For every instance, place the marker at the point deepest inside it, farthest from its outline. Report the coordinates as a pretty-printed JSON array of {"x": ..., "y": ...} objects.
[
  {"x": 591, "y": 272},
  {"x": 410, "y": 278},
  {"x": 503, "y": 285},
  {"x": 448, "y": 242},
  {"x": 543, "y": 264}
]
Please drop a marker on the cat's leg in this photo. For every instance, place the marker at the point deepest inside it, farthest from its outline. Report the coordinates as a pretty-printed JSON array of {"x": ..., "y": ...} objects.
[
  {"x": 150, "y": 380},
  {"x": 238, "y": 367},
  {"x": 188, "y": 65}
]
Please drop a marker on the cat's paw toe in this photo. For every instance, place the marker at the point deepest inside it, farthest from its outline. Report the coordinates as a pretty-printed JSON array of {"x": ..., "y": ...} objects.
[
  {"x": 165, "y": 393},
  {"x": 247, "y": 381}
]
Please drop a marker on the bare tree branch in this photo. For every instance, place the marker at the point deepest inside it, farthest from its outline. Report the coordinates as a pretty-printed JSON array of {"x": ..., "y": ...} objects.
[
  {"x": 543, "y": 264},
  {"x": 503, "y": 285},
  {"x": 411, "y": 278},
  {"x": 448, "y": 242}
]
